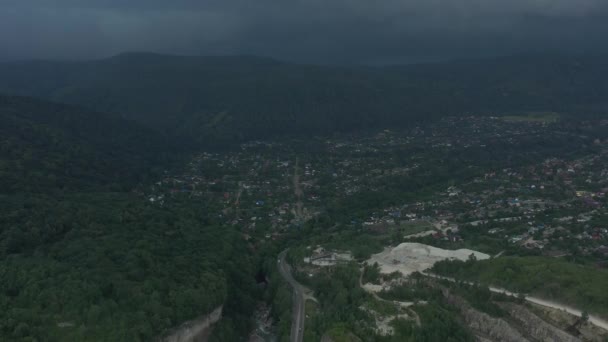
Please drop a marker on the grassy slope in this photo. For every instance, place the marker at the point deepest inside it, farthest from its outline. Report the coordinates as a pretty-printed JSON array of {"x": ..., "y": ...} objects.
[{"x": 581, "y": 286}]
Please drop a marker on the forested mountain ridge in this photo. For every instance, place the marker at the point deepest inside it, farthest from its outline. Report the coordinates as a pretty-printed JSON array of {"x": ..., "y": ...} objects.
[
  {"x": 217, "y": 100},
  {"x": 47, "y": 146},
  {"x": 83, "y": 257}
]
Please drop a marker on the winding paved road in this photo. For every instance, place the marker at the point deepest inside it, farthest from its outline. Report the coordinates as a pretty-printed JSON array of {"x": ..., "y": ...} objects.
[{"x": 300, "y": 294}]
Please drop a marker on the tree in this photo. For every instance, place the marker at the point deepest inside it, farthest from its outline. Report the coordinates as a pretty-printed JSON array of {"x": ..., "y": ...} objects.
[
  {"x": 521, "y": 297},
  {"x": 472, "y": 258}
]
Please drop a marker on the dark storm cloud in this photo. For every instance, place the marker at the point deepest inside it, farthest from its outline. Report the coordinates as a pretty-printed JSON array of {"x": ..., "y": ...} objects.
[{"x": 330, "y": 31}]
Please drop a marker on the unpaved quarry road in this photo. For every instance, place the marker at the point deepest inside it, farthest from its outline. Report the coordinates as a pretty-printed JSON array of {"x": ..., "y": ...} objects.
[
  {"x": 578, "y": 313},
  {"x": 599, "y": 322}
]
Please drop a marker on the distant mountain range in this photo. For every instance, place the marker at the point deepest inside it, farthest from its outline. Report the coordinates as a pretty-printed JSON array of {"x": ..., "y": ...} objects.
[{"x": 221, "y": 100}]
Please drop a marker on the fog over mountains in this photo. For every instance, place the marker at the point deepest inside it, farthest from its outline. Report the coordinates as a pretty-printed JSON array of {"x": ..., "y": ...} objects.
[
  {"x": 222, "y": 100},
  {"x": 311, "y": 31}
]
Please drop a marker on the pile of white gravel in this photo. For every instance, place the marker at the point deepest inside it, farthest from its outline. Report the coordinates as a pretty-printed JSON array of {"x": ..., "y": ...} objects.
[{"x": 411, "y": 257}]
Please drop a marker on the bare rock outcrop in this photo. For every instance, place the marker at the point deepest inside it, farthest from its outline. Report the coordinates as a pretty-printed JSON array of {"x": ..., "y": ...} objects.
[
  {"x": 535, "y": 326},
  {"x": 196, "y": 330},
  {"x": 326, "y": 338},
  {"x": 350, "y": 337},
  {"x": 494, "y": 329}
]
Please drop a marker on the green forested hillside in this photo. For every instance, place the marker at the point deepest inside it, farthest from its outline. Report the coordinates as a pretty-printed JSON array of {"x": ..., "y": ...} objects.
[
  {"x": 47, "y": 146},
  {"x": 549, "y": 278},
  {"x": 107, "y": 267},
  {"x": 85, "y": 258},
  {"x": 222, "y": 99}
]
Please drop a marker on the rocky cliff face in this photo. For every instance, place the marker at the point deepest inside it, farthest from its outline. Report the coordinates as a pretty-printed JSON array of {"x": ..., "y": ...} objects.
[
  {"x": 196, "y": 330},
  {"x": 350, "y": 338},
  {"x": 482, "y": 339},
  {"x": 521, "y": 325},
  {"x": 493, "y": 329},
  {"x": 326, "y": 338},
  {"x": 535, "y": 326}
]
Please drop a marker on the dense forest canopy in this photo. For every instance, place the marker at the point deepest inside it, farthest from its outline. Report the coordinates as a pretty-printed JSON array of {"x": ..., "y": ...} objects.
[
  {"x": 217, "y": 100},
  {"x": 85, "y": 257},
  {"x": 45, "y": 146}
]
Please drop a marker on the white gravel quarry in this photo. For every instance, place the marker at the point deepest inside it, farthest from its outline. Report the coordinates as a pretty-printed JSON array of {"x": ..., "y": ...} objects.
[{"x": 409, "y": 257}]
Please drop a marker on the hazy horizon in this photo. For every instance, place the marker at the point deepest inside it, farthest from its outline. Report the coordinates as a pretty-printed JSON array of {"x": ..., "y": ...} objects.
[{"x": 304, "y": 31}]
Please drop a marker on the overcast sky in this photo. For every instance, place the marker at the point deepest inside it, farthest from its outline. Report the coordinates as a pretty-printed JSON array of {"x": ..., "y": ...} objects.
[{"x": 313, "y": 31}]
